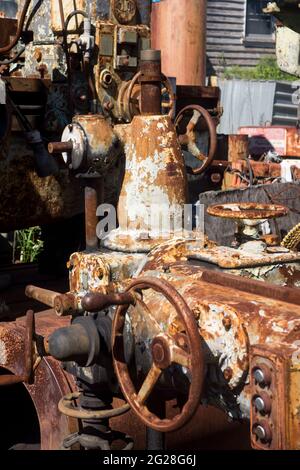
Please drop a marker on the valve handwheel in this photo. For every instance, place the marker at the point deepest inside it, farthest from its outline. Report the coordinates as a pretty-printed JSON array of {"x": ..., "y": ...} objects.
[
  {"x": 167, "y": 88},
  {"x": 248, "y": 210},
  {"x": 165, "y": 351},
  {"x": 189, "y": 138}
]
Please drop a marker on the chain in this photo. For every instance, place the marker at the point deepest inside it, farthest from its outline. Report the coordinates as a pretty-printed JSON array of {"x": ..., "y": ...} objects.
[{"x": 292, "y": 239}]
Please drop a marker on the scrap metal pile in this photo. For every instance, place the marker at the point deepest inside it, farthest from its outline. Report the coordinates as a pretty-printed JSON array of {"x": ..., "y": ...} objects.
[{"x": 154, "y": 314}]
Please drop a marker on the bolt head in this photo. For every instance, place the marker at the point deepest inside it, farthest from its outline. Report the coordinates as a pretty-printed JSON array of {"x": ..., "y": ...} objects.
[
  {"x": 259, "y": 376},
  {"x": 260, "y": 432},
  {"x": 259, "y": 404}
]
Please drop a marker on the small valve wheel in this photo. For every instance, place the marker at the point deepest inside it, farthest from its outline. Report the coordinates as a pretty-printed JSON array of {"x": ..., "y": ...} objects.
[
  {"x": 166, "y": 89},
  {"x": 189, "y": 138},
  {"x": 247, "y": 211},
  {"x": 248, "y": 215}
]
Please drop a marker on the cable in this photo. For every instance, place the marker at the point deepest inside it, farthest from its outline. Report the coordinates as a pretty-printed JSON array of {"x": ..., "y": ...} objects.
[
  {"x": 16, "y": 38},
  {"x": 32, "y": 14},
  {"x": 70, "y": 16}
]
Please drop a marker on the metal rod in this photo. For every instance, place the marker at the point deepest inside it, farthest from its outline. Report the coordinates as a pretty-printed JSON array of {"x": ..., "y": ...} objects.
[{"x": 59, "y": 147}]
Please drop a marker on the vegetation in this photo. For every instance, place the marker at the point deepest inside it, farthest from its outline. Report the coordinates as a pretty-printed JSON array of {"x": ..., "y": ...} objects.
[
  {"x": 27, "y": 245},
  {"x": 266, "y": 69}
]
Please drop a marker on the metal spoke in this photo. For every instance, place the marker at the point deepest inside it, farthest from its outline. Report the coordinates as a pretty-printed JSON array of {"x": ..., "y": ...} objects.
[
  {"x": 181, "y": 357},
  {"x": 149, "y": 383}
]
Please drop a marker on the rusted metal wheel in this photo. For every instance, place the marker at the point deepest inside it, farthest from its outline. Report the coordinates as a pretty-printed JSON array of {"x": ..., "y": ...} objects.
[
  {"x": 165, "y": 351},
  {"x": 189, "y": 138},
  {"x": 248, "y": 210},
  {"x": 167, "y": 88}
]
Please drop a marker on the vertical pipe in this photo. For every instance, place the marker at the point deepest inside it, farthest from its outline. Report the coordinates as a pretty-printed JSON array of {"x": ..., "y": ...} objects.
[
  {"x": 150, "y": 80},
  {"x": 178, "y": 29},
  {"x": 91, "y": 219}
]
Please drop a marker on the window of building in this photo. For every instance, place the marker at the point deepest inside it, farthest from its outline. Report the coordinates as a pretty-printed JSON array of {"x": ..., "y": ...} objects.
[{"x": 259, "y": 27}]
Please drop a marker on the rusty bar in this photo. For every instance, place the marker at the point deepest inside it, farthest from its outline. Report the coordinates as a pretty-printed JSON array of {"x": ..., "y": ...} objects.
[
  {"x": 28, "y": 349},
  {"x": 44, "y": 296},
  {"x": 94, "y": 301},
  {"x": 150, "y": 80},
  {"x": 59, "y": 147},
  {"x": 264, "y": 289},
  {"x": 7, "y": 380}
]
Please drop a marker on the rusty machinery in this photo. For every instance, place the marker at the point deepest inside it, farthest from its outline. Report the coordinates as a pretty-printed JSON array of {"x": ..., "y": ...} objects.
[
  {"x": 150, "y": 317},
  {"x": 69, "y": 71}
]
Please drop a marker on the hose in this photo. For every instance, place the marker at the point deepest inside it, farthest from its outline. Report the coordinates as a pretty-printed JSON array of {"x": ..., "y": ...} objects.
[
  {"x": 14, "y": 41},
  {"x": 70, "y": 16}
]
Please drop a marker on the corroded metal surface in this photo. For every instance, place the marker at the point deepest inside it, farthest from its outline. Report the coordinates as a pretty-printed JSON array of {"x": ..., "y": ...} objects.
[
  {"x": 92, "y": 271},
  {"x": 35, "y": 200},
  {"x": 229, "y": 323},
  {"x": 50, "y": 381},
  {"x": 154, "y": 176},
  {"x": 247, "y": 210}
]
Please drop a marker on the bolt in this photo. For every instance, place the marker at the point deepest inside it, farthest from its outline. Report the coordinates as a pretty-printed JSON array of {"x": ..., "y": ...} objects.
[
  {"x": 259, "y": 376},
  {"x": 228, "y": 373},
  {"x": 227, "y": 323},
  {"x": 260, "y": 432},
  {"x": 158, "y": 353},
  {"x": 259, "y": 404},
  {"x": 262, "y": 375}
]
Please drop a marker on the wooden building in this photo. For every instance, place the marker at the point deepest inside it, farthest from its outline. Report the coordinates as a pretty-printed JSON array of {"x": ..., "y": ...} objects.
[{"x": 238, "y": 33}]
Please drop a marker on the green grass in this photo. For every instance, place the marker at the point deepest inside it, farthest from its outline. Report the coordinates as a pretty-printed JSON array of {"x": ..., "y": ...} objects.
[
  {"x": 27, "y": 245},
  {"x": 266, "y": 69}
]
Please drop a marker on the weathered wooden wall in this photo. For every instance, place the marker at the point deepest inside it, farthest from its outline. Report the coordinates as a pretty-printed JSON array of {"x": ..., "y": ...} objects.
[{"x": 225, "y": 37}]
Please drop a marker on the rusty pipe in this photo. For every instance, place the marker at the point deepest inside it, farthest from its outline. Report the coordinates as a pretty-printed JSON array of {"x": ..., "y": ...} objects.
[
  {"x": 150, "y": 80},
  {"x": 91, "y": 219},
  {"x": 178, "y": 29},
  {"x": 44, "y": 296},
  {"x": 16, "y": 38},
  {"x": 60, "y": 147},
  {"x": 63, "y": 304}
]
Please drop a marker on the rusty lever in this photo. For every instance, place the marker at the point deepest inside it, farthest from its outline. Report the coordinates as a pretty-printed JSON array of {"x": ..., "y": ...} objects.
[{"x": 95, "y": 301}]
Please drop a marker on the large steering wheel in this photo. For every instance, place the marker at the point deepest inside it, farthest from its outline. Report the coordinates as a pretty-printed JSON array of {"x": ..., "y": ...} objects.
[
  {"x": 165, "y": 351},
  {"x": 189, "y": 138}
]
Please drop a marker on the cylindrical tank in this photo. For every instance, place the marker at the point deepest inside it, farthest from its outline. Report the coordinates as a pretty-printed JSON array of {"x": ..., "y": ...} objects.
[{"x": 178, "y": 29}]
